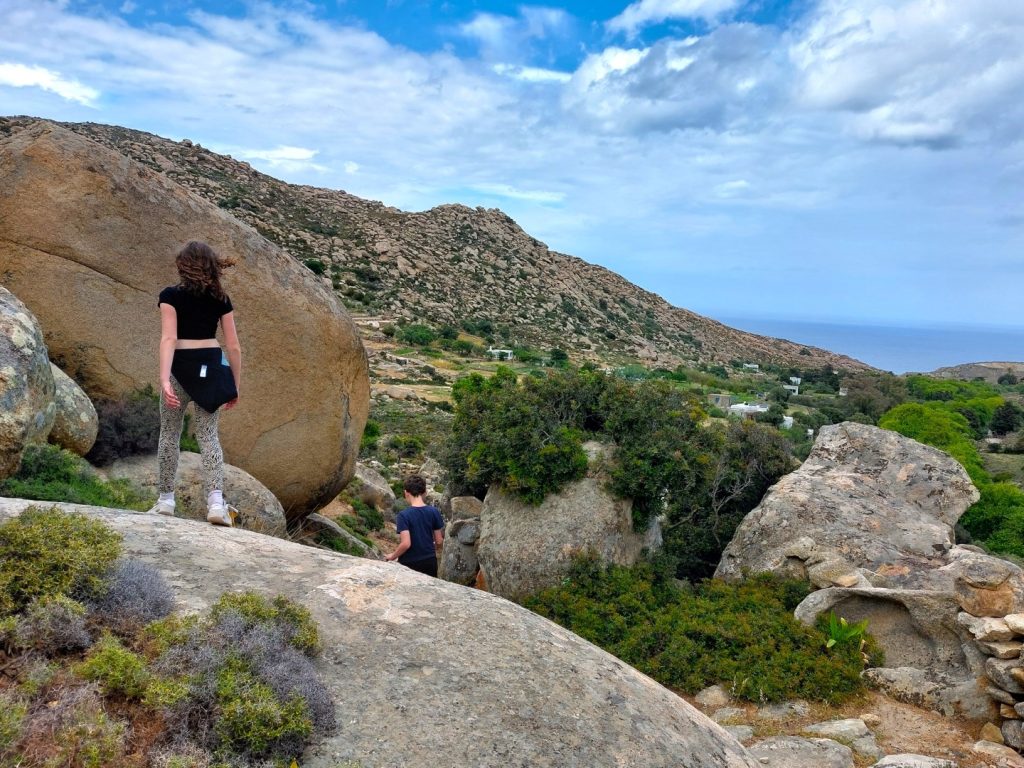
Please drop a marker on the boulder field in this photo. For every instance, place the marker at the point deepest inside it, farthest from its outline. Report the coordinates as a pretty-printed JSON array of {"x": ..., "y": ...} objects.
[
  {"x": 87, "y": 241},
  {"x": 429, "y": 673}
]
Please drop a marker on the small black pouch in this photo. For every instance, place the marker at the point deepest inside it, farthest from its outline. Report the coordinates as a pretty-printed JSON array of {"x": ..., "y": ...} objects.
[{"x": 206, "y": 376}]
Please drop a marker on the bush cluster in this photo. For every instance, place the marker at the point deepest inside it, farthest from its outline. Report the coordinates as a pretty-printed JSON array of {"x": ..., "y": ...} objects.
[
  {"x": 527, "y": 435},
  {"x": 130, "y": 426},
  {"x": 50, "y": 473},
  {"x": 743, "y": 635},
  {"x": 235, "y": 688}
]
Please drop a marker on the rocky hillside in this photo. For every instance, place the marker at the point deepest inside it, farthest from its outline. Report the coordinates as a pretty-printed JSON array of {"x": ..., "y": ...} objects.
[
  {"x": 990, "y": 372},
  {"x": 460, "y": 263}
]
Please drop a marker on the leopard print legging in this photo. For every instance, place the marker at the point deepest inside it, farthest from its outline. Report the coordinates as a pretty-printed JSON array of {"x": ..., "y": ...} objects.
[{"x": 206, "y": 423}]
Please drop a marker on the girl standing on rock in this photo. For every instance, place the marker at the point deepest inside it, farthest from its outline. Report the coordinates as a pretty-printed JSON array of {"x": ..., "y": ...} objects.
[{"x": 194, "y": 369}]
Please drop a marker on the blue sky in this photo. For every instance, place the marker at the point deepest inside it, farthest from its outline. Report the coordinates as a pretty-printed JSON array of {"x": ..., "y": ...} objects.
[{"x": 837, "y": 160}]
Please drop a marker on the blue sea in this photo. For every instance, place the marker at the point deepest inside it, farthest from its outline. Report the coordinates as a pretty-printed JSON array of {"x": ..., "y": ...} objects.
[{"x": 894, "y": 348}]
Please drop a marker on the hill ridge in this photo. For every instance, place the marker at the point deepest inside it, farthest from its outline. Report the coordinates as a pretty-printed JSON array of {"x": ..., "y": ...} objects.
[{"x": 457, "y": 262}]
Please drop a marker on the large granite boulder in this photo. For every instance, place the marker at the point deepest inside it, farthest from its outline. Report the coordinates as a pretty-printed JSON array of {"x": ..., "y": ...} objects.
[
  {"x": 258, "y": 510},
  {"x": 87, "y": 241},
  {"x": 27, "y": 408},
  {"x": 496, "y": 684},
  {"x": 523, "y": 549},
  {"x": 75, "y": 423},
  {"x": 868, "y": 507}
]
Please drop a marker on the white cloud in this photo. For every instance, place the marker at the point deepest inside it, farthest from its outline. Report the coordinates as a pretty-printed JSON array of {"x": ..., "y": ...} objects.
[
  {"x": 282, "y": 157},
  {"x": 532, "y": 74},
  {"x": 512, "y": 193},
  {"x": 931, "y": 72},
  {"x": 645, "y": 12},
  {"x": 350, "y": 167},
  {"x": 23, "y": 76},
  {"x": 515, "y": 38}
]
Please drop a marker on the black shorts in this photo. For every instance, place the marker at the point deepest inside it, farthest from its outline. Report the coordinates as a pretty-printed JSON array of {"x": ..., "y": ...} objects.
[{"x": 427, "y": 566}]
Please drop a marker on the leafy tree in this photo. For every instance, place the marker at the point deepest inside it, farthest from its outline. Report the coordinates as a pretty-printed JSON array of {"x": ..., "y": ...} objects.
[
  {"x": 1008, "y": 417},
  {"x": 559, "y": 358},
  {"x": 1008, "y": 379},
  {"x": 420, "y": 335}
]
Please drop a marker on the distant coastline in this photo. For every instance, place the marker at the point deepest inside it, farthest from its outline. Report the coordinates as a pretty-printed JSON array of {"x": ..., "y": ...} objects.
[{"x": 899, "y": 349}]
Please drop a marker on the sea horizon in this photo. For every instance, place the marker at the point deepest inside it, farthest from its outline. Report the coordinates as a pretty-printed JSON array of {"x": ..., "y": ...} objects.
[{"x": 895, "y": 348}]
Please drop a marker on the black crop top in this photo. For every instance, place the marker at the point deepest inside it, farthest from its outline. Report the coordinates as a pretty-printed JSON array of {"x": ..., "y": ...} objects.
[{"x": 197, "y": 315}]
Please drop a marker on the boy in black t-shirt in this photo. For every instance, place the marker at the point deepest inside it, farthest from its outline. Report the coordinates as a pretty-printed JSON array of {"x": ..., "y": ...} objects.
[{"x": 420, "y": 530}]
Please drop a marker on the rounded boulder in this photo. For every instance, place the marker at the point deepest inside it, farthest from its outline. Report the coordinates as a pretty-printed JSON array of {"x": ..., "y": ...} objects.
[
  {"x": 27, "y": 407},
  {"x": 75, "y": 423},
  {"x": 88, "y": 239}
]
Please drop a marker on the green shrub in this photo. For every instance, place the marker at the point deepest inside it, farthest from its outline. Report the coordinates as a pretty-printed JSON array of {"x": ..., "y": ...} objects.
[
  {"x": 115, "y": 668},
  {"x": 252, "y": 719},
  {"x": 53, "y": 624},
  {"x": 406, "y": 446},
  {"x": 314, "y": 265},
  {"x": 371, "y": 434},
  {"x": 46, "y": 552},
  {"x": 279, "y": 612},
  {"x": 12, "y": 714},
  {"x": 741, "y": 635},
  {"x": 49, "y": 473},
  {"x": 128, "y": 426},
  {"x": 371, "y": 518}
]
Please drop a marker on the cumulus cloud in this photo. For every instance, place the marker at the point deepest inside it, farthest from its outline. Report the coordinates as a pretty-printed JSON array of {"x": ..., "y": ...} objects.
[
  {"x": 284, "y": 158},
  {"x": 929, "y": 72},
  {"x": 511, "y": 38},
  {"x": 645, "y": 12},
  {"x": 726, "y": 78},
  {"x": 22, "y": 76}
]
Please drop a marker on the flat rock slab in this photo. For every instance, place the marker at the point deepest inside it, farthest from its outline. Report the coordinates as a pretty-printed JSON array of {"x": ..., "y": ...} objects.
[
  {"x": 490, "y": 684},
  {"x": 794, "y": 752},
  {"x": 913, "y": 761}
]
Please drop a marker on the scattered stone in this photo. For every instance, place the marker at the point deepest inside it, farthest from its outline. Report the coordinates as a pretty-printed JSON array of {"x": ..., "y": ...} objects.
[
  {"x": 1007, "y": 757},
  {"x": 75, "y": 423},
  {"x": 258, "y": 510},
  {"x": 1013, "y": 733},
  {"x": 794, "y": 752},
  {"x": 1000, "y": 695},
  {"x": 913, "y": 761},
  {"x": 949, "y": 696},
  {"x": 844, "y": 731},
  {"x": 26, "y": 383},
  {"x": 988, "y": 586},
  {"x": 986, "y": 628},
  {"x": 1001, "y": 672},
  {"x": 713, "y": 697},
  {"x": 741, "y": 733},
  {"x": 729, "y": 715},
  {"x": 871, "y": 720},
  {"x": 463, "y": 507},
  {"x": 458, "y": 561},
  {"x": 991, "y": 732},
  {"x": 1008, "y": 713},
  {"x": 1010, "y": 650},
  {"x": 1015, "y": 621},
  {"x": 867, "y": 746},
  {"x": 784, "y": 710},
  {"x": 375, "y": 490}
]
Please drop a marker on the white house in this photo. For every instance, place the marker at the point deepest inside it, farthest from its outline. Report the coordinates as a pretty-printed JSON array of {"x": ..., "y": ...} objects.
[
  {"x": 501, "y": 354},
  {"x": 747, "y": 410}
]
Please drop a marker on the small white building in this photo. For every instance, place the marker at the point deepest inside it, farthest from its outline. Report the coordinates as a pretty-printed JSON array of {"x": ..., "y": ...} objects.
[
  {"x": 793, "y": 388},
  {"x": 501, "y": 354},
  {"x": 795, "y": 380},
  {"x": 787, "y": 422},
  {"x": 752, "y": 366},
  {"x": 747, "y": 410}
]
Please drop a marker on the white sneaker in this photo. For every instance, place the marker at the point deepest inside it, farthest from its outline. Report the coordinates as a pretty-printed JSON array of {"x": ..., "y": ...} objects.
[
  {"x": 161, "y": 508},
  {"x": 222, "y": 514}
]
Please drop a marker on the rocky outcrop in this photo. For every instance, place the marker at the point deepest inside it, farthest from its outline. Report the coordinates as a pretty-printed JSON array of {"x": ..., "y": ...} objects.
[
  {"x": 374, "y": 490},
  {"x": 465, "y": 507},
  {"x": 27, "y": 390},
  {"x": 315, "y": 526},
  {"x": 459, "y": 562},
  {"x": 523, "y": 549},
  {"x": 258, "y": 510},
  {"x": 75, "y": 423},
  {"x": 87, "y": 240},
  {"x": 500, "y": 685},
  {"x": 868, "y": 507}
]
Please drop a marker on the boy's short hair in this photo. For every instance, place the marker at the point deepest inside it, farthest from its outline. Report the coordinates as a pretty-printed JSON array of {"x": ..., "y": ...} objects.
[{"x": 415, "y": 485}]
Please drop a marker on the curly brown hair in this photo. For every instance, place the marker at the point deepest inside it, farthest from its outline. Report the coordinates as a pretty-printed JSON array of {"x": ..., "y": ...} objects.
[{"x": 200, "y": 269}]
